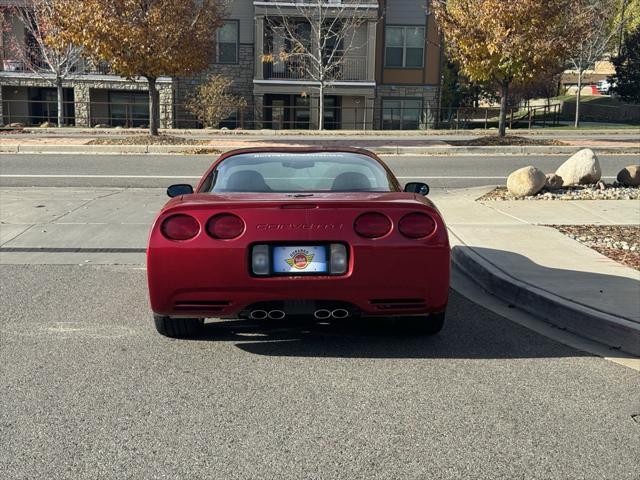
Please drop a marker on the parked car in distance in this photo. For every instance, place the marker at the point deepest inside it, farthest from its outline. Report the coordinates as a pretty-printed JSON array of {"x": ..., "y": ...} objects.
[{"x": 291, "y": 232}]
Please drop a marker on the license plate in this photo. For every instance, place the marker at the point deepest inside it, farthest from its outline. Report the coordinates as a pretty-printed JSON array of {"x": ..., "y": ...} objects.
[{"x": 300, "y": 259}]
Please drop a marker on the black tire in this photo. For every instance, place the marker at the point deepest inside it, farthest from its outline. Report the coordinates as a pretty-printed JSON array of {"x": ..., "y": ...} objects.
[
  {"x": 422, "y": 325},
  {"x": 178, "y": 327}
]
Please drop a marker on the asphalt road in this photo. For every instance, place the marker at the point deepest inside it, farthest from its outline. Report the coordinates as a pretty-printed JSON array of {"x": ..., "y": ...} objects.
[
  {"x": 162, "y": 170},
  {"x": 89, "y": 390}
]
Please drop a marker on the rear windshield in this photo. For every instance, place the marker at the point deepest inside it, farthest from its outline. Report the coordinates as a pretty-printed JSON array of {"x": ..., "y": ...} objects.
[{"x": 300, "y": 172}]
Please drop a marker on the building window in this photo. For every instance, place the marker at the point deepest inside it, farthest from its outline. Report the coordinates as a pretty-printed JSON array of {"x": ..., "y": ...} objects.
[
  {"x": 404, "y": 47},
  {"x": 227, "y": 42},
  {"x": 401, "y": 113}
]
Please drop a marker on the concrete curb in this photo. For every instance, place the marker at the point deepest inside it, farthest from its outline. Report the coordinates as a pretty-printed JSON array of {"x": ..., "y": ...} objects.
[
  {"x": 616, "y": 332},
  {"x": 385, "y": 150}
]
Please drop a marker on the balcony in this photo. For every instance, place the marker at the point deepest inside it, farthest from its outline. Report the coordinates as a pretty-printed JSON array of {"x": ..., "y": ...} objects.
[
  {"x": 82, "y": 68},
  {"x": 351, "y": 69},
  {"x": 313, "y": 2}
]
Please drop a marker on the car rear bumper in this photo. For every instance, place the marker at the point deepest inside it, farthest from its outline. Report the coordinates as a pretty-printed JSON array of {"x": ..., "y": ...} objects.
[{"x": 382, "y": 280}]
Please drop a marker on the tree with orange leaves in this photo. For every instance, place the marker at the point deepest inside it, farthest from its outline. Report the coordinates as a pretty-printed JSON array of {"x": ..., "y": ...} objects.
[
  {"x": 148, "y": 38},
  {"x": 507, "y": 41}
]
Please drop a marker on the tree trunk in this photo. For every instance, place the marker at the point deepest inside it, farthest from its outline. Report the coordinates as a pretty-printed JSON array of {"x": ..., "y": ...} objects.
[
  {"x": 60, "y": 93},
  {"x": 578, "y": 95},
  {"x": 154, "y": 107},
  {"x": 321, "y": 108},
  {"x": 502, "y": 125}
]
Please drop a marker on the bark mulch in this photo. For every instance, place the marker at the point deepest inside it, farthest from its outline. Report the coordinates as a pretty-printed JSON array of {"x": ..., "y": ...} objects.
[
  {"x": 618, "y": 242},
  {"x": 147, "y": 140},
  {"x": 491, "y": 141}
]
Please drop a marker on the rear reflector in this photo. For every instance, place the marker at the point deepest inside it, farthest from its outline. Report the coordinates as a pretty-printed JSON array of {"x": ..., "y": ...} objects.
[
  {"x": 338, "y": 259},
  {"x": 225, "y": 226},
  {"x": 416, "y": 225},
  {"x": 260, "y": 260},
  {"x": 180, "y": 227},
  {"x": 372, "y": 225}
]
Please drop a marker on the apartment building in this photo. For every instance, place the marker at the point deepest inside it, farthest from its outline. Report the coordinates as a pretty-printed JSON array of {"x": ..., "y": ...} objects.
[{"x": 389, "y": 77}]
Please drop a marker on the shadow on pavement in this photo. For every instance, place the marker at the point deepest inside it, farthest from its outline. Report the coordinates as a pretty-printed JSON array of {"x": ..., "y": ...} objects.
[{"x": 470, "y": 332}]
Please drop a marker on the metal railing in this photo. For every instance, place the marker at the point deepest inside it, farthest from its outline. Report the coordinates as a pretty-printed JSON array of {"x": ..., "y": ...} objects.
[
  {"x": 328, "y": 2},
  {"x": 176, "y": 115},
  {"x": 351, "y": 68},
  {"x": 39, "y": 65}
]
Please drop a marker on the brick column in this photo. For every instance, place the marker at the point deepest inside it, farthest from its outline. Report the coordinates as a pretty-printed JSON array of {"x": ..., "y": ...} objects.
[
  {"x": 82, "y": 104},
  {"x": 165, "y": 90}
]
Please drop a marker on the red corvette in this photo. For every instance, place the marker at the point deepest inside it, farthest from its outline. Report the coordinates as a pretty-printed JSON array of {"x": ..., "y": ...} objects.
[{"x": 274, "y": 233}]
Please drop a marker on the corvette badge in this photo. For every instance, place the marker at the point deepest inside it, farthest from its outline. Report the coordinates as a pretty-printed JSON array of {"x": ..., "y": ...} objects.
[{"x": 300, "y": 259}]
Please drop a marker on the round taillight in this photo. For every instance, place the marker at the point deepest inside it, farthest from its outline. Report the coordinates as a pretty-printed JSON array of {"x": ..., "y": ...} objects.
[
  {"x": 180, "y": 227},
  {"x": 372, "y": 225},
  {"x": 416, "y": 225},
  {"x": 225, "y": 226}
]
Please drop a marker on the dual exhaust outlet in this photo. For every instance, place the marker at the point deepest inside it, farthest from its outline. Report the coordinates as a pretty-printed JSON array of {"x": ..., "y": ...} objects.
[
  {"x": 338, "y": 313},
  {"x": 321, "y": 314}
]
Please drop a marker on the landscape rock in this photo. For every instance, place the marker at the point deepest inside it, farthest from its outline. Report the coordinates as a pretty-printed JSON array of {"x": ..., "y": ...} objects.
[
  {"x": 16, "y": 125},
  {"x": 526, "y": 181},
  {"x": 554, "y": 182},
  {"x": 583, "y": 168},
  {"x": 48, "y": 125},
  {"x": 629, "y": 176}
]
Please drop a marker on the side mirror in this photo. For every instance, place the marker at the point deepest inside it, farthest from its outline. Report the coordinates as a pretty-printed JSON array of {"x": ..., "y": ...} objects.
[
  {"x": 417, "y": 187},
  {"x": 179, "y": 189}
]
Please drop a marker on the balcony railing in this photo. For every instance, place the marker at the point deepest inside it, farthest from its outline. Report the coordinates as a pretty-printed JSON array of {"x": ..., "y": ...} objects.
[
  {"x": 328, "y": 2},
  {"x": 350, "y": 69},
  {"x": 40, "y": 66}
]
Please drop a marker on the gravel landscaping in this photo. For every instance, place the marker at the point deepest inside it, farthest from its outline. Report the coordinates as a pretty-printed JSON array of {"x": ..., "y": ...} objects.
[
  {"x": 147, "y": 140},
  {"x": 618, "y": 242},
  {"x": 492, "y": 141},
  {"x": 582, "y": 192}
]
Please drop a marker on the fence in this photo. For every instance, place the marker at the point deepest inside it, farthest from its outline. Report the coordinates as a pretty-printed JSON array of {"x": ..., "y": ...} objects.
[{"x": 277, "y": 117}]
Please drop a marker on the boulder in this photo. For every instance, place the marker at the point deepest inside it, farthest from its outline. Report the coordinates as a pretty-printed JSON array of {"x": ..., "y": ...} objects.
[
  {"x": 48, "y": 125},
  {"x": 629, "y": 176},
  {"x": 554, "y": 182},
  {"x": 16, "y": 125},
  {"x": 526, "y": 181},
  {"x": 582, "y": 168}
]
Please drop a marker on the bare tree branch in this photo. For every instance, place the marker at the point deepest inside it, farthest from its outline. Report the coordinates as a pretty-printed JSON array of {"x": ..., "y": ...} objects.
[
  {"x": 332, "y": 37},
  {"x": 53, "y": 64}
]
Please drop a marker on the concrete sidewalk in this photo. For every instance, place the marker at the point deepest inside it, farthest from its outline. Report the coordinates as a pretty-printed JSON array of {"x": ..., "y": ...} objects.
[
  {"x": 435, "y": 148},
  {"x": 435, "y": 142},
  {"x": 506, "y": 247}
]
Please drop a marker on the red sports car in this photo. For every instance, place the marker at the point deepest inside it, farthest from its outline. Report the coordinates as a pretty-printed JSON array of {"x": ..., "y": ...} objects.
[{"x": 286, "y": 232}]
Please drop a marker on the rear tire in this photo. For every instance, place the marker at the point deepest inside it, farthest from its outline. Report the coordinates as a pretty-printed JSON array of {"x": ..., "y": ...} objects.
[
  {"x": 178, "y": 327},
  {"x": 422, "y": 325}
]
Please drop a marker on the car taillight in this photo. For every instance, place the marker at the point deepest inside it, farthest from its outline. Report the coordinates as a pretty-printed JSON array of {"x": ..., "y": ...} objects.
[
  {"x": 416, "y": 225},
  {"x": 372, "y": 225},
  {"x": 180, "y": 227},
  {"x": 225, "y": 226}
]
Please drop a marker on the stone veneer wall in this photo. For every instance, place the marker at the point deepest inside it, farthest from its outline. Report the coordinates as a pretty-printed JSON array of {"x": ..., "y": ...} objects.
[
  {"x": 428, "y": 93},
  {"x": 242, "y": 75},
  {"x": 82, "y": 86}
]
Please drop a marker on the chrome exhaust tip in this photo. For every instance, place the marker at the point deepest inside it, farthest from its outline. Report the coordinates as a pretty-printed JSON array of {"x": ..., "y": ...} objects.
[
  {"x": 340, "y": 313},
  {"x": 276, "y": 314},
  {"x": 322, "y": 314},
  {"x": 258, "y": 314}
]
